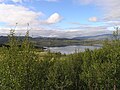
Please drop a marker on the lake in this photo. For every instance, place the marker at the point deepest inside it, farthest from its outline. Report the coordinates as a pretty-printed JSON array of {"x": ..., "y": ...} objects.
[{"x": 72, "y": 49}]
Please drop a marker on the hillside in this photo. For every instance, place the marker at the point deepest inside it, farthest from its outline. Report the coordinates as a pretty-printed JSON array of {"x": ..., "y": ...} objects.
[
  {"x": 97, "y": 37},
  {"x": 54, "y": 41}
]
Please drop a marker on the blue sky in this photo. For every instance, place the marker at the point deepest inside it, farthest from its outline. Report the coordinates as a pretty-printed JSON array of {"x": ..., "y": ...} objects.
[{"x": 59, "y": 18}]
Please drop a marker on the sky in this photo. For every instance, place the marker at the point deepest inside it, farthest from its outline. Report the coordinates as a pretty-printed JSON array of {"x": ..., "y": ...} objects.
[{"x": 59, "y": 18}]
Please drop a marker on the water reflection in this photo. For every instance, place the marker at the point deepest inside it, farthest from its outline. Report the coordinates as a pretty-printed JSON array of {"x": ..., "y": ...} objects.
[{"x": 72, "y": 49}]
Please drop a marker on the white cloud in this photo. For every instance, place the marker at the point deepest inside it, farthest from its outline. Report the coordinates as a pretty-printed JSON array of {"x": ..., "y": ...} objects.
[
  {"x": 17, "y": 1},
  {"x": 74, "y": 23},
  {"x": 111, "y": 8},
  {"x": 68, "y": 33},
  {"x": 54, "y": 18},
  {"x": 1, "y": 0},
  {"x": 93, "y": 19},
  {"x": 12, "y": 14},
  {"x": 20, "y": 1}
]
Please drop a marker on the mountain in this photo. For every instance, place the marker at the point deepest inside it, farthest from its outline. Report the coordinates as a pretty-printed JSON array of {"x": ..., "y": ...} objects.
[
  {"x": 55, "y": 41},
  {"x": 3, "y": 39},
  {"x": 97, "y": 37}
]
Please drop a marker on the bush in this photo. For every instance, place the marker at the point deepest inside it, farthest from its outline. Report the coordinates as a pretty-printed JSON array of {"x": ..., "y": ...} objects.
[{"x": 23, "y": 68}]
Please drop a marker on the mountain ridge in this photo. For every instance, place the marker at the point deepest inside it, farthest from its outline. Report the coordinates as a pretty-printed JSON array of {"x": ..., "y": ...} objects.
[{"x": 95, "y": 37}]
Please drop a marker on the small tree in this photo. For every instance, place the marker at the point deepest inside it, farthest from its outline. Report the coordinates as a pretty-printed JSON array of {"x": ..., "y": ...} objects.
[{"x": 116, "y": 33}]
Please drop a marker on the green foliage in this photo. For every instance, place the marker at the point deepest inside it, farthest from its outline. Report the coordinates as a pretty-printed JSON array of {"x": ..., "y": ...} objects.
[{"x": 24, "y": 68}]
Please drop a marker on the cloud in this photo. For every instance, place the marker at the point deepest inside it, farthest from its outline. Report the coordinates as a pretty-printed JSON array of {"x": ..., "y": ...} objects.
[
  {"x": 1, "y": 0},
  {"x": 93, "y": 19},
  {"x": 12, "y": 14},
  {"x": 74, "y": 23},
  {"x": 113, "y": 23},
  {"x": 111, "y": 8},
  {"x": 20, "y": 1},
  {"x": 54, "y": 18},
  {"x": 17, "y": 1},
  {"x": 68, "y": 33}
]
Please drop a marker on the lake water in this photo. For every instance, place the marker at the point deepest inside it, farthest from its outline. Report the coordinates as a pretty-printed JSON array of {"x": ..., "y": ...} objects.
[{"x": 72, "y": 49}]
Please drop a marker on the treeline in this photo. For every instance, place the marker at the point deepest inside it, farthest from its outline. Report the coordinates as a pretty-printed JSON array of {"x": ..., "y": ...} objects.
[{"x": 24, "y": 68}]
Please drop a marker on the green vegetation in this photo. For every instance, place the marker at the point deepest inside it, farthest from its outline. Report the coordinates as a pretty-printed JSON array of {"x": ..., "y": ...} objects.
[
  {"x": 24, "y": 68},
  {"x": 53, "y": 42}
]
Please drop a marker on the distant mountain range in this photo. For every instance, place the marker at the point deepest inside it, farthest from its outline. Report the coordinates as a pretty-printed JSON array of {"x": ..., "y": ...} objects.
[
  {"x": 4, "y": 39},
  {"x": 97, "y": 37},
  {"x": 41, "y": 42}
]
